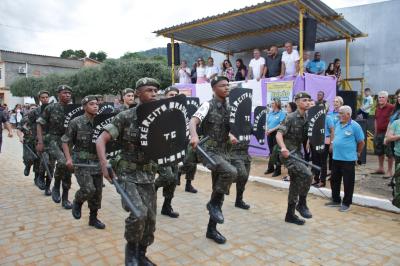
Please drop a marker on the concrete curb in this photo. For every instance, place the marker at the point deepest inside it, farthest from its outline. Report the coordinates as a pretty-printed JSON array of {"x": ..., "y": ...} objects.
[{"x": 362, "y": 200}]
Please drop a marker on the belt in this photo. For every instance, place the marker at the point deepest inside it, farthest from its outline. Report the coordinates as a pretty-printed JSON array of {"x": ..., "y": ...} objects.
[
  {"x": 150, "y": 167},
  {"x": 84, "y": 155},
  {"x": 215, "y": 144}
]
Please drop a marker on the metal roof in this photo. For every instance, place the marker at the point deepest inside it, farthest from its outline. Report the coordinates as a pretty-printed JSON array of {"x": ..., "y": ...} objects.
[{"x": 262, "y": 25}]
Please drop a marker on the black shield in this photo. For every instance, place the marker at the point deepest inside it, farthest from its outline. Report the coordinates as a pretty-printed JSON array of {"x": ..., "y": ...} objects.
[
  {"x": 316, "y": 127},
  {"x": 240, "y": 115},
  {"x": 260, "y": 115},
  {"x": 192, "y": 104},
  {"x": 71, "y": 111},
  {"x": 100, "y": 121},
  {"x": 164, "y": 131},
  {"x": 106, "y": 108}
]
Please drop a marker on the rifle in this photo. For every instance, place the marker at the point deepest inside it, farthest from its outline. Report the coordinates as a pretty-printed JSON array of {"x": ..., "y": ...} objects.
[
  {"x": 31, "y": 151},
  {"x": 203, "y": 153},
  {"x": 46, "y": 165}
]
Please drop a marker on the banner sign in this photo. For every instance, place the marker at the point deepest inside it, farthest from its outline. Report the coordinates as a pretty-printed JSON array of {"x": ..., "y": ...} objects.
[{"x": 283, "y": 90}]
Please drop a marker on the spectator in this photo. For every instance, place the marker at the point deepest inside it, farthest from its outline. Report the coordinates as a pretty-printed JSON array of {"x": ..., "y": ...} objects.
[
  {"x": 337, "y": 103},
  {"x": 290, "y": 61},
  {"x": 184, "y": 73},
  {"x": 338, "y": 73},
  {"x": 241, "y": 72},
  {"x": 256, "y": 66},
  {"x": 366, "y": 105},
  {"x": 330, "y": 71},
  {"x": 4, "y": 120},
  {"x": 321, "y": 100},
  {"x": 348, "y": 144},
  {"x": 193, "y": 73},
  {"x": 274, "y": 119},
  {"x": 227, "y": 70},
  {"x": 382, "y": 116},
  {"x": 273, "y": 63},
  {"x": 201, "y": 71},
  {"x": 396, "y": 112},
  {"x": 211, "y": 69},
  {"x": 316, "y": 66},
  {"x": 306, "y": 60}
]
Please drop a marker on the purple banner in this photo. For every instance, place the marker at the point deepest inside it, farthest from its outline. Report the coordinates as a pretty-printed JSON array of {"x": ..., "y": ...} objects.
[{"x": 316, "y": 83}]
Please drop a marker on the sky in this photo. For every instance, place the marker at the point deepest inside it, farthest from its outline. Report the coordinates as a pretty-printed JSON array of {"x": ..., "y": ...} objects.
[{"x": 50, "y": 26}]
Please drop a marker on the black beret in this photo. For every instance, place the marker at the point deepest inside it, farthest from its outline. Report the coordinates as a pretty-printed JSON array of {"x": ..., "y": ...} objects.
[{"x": 217, "y": 79}]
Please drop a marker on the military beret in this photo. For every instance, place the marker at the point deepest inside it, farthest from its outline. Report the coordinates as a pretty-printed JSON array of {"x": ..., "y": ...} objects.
[
  {"x": 99, "y": 96},
  {"x": 302, "y": 95},
  {"x": 147, "y": 82},
  {"x": 217, "y": 79},
  {"x": 171, "y": 88},
  {"x": 64, "y": 88},
  {"x": 43, "y": 92},
  {"x": 88, "y": 98},
  {"x": 127, "y": 90}
]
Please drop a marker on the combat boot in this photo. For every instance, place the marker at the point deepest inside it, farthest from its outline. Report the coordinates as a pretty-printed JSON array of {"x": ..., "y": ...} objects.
[
  {"x": 302, "y": 207},
  {"x": 189, "y": 187},
  {"x": 131, "y": 254},
  {"x": 239, "y": 201},
  {"x": 270, "y": 168},
  {"x": 41, "y": 183},
  {"x": 93, "y": 221},
  {"x": 27, "y": 170},
  {"x": 212, "y": 233},
  {"x": 291, "y": 217},
  {"x": 77, "y": 209},
  {"x": 277, "y": 171},
  {"x": 65, "y": 202},
  {"x": 55, "y": 192},
  {"x": 167, "y": 209},
  {"x": 47, "y": 191},
  {"x": 214, "y": 208},
  {"x": 35, "y": 180},
  {"x": 143, "y": 260}
]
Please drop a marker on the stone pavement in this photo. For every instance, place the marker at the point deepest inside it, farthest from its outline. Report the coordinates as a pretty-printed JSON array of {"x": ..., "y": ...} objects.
[{"x": 36, "y": 231}]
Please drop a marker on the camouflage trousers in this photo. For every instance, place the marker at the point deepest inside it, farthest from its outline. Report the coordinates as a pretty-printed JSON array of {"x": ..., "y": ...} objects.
[
  {"x": 61, "y": 173},
  {"x": 90, "y": 187},
  {"x": 190, "y": 163},
  {"x": 167, "y": 180},
  {"x": 241, "y": 161},
  {"x": 300, "y": 178},
  {"x": 28, "y": 158},
  {"x": 140, "y": 230},
  {"x": 396, "y": 196}
]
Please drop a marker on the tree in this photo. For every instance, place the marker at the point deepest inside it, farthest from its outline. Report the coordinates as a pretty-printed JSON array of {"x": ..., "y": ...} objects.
[
  {"x": 93, "y": 55},
  {"x": 67, "y": 53},
  {"x": 101, "y": 56},
  {"x": 80, "y": 54}
]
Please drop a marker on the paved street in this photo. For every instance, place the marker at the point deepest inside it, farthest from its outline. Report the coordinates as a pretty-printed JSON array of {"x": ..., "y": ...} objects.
[{"x": 36, "y": 231}]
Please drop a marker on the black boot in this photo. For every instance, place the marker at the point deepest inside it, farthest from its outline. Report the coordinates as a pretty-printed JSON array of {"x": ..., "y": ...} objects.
[
  {"x": 41, "y": 183},
  {"x": 143, "y": 260},
  {"x": 47, "y": 191},
  {"x": 291, "y": 217},
  {"x": 36, "y": 180},
  {"x": 55, "y": 192},
  {"x": 277, "y": 171},
  {"x": 239, "y": 201},
  {"x": 302, "y": 207},
  {"x": 270, "y": 168},
  {"x": 214, "y": 207},
  {"x": 189, "y": 187},
  {"x": 93, "y": 221},
  {"x": 65, "y": 202},
  {"x": 76, "y": 209},
  {"x": 131, "y": 254},
  {"x": 167, "y": 209},
  {"x": 213, "y": 234},
  {"x": 27, "y": 170}
]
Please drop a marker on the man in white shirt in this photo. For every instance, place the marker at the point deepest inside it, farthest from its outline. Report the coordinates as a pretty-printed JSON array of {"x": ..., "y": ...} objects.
[
  {"x": 184, "y": 73},
  {"x": 211, "y": 70},
  {"x": 290, "y": 61},
  {"x": 256, "y": 66}
]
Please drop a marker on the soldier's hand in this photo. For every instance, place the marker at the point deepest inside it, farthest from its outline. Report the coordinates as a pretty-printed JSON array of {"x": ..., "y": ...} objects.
[
  {"x": 194, "y": 141},
  {"x": 233, "y": 139},
  {"x": 285, "y": 153},
  {"x": 39, "y": 147},
  {"x": 104, "y": 170},
  {"x": 20, "y": 140},
  {"x": 10, "y": 134},
  {"x": 69, "y": 165}
]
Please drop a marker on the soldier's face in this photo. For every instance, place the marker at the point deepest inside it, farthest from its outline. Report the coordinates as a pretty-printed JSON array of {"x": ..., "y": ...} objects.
[
  {"x": 171, "y": 94},
  {"x": 303, "y": 103},
  {"x": 92, "y": 107},
  {"x": 147, "y": 94},
  {"x": 129, "y": 98},
  {"x": 64, "y": 96},
  {"x": 44, "y": 98},
  {"x": 221, "y": 89}
]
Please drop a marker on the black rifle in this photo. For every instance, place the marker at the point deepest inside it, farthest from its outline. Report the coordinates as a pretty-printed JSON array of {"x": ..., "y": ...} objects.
[
  {"x": 212, "y": 163},
  {"x": 46, "y": 165},
  {"x": 31, "y": 151}
]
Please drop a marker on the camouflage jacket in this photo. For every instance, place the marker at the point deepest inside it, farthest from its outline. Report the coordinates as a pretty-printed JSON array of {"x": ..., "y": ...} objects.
[
  {"x": 294, "y": 130},
  {"x": 216, "y": 123},
  {"x": 28, "y": 128},
  {"x": 52, "y": 118}
]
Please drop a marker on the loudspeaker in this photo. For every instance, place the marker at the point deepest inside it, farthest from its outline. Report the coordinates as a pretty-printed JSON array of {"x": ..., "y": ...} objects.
[
  {"x": 177, "y": 58},
  {"x": 310, "y": 33},
  {"x": 363, "y": 124},
  {"x": 350, "y": 99}
]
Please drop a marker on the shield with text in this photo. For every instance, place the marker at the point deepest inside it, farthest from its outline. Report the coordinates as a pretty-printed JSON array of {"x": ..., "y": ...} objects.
[
  {"x": 260, "y": 115},
  {"x": 113, "y": 147},
  {"x": 192, "y": 104},
  {"x": 71, "y": 111},
  {"x": 316, "y": 127},
  {"x": 106, "y": 108},
  {"x": 240, "y": 115}
]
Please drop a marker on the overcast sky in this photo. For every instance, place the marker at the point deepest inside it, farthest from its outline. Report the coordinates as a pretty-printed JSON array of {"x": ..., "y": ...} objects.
[{"x": 51, "y": 26}]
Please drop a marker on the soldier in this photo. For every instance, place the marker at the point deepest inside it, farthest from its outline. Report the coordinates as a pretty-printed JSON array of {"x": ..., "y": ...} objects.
[
  {"x": 167, "y": 174},
  {"x": 128, "y": 96},
  {"x": 241, "y": 159},
  {"x": 53, "y": 117},
  {"x": 189, "y": 167},
  {"x": 100, "y": 99},
  {"x": 290, "y": 137},
  {"x": 214, "y": 116},
  {"x": 135, "y": 175},
  {"x": 90, "y": 180}
]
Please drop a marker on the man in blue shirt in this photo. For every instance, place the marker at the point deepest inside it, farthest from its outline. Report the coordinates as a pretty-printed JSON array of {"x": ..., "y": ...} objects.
[
  {"x": 316, "y": 66},
  {"x": 348, "y": 143}
]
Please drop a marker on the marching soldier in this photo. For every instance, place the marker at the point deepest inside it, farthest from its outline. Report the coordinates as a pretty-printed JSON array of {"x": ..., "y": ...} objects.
[
  {"x": 167, "y": 174},
  {"x": 90, "y": 180},
  {"x": 135, "y": 175},
  {"x": 52, "y": 118},
  {"x": 290, "y": 137},
  {"x": 128, "y": 96},
  {"x": 214, "y": 116}
]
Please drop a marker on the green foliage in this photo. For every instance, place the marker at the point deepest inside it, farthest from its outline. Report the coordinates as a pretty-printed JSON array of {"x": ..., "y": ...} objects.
[
  {"x": 73, "y": 54},
  {"x": 100, "y": 56},
  {"x": 67, "y": 53}
]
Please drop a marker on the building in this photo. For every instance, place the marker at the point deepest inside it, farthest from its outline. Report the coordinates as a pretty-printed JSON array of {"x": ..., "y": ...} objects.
[{"x": 14, "y": 65}]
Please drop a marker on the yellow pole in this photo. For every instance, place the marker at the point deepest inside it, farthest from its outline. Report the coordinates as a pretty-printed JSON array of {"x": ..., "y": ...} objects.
[
  {"x": 301, "y": 15},
  {"x": 347, "y": 58},
  {"x": 172, "y": 60}
]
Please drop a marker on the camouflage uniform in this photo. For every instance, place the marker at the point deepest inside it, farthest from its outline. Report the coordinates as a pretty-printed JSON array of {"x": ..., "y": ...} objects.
[
  {"x": 241, "y": 159},
  {"x": 396, "y": 180},
  {"x": 167, "y": 179},
  {"x": 29, "y": 131},
  {"x": 294, "y": 131},
  {"x": 136, "y": 177},
  {"x": 52, "y": 118}
]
